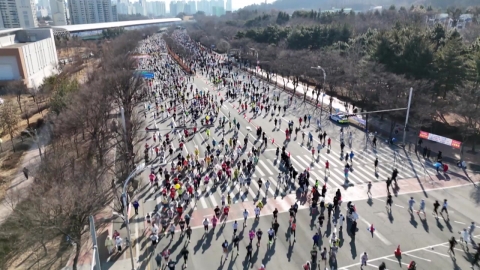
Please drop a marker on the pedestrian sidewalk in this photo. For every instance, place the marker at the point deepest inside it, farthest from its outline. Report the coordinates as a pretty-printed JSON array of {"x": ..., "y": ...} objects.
[
  {"x": 17, "y": 189},
  {"x": 381, "y": 127}
]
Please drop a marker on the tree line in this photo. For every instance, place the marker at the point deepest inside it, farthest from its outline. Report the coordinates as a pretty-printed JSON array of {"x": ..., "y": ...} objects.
[
  {"x": 371, "y": 60},
  {"x": 87, "y": 149}
]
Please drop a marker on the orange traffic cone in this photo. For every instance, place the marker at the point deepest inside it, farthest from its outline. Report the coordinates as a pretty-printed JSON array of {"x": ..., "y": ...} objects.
[{"x": 397, "y": 252}]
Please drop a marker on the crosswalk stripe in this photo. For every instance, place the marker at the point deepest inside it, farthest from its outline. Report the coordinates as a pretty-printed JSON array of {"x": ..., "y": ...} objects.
[
  {"x": 203, "y": 203},
  {"x": 356, "y": 177},
  {"x": 369, "y": 174},
  {"x": 261, "y": 192},
  {"x": 257, "y": 170},
  {"x": 299, "y": 166},
  {"x": 333, "y": 180},
  {"x": 273, "y": 184},
  {"x": 212, "y": 199},
  {"x": 250, "y": 190},
  {"x": 339, "y": 176},
  {"x": 306, "y": 164},
  {"x": 265, "y": 167}
]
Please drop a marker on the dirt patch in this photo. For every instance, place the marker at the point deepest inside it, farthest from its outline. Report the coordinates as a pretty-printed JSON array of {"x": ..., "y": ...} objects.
[
  {"x": 52, "y": 255},
  {"x": 29, "y": 108},
  {"x": 9, "y": 163},
  {"x": 70, "y": 52}
]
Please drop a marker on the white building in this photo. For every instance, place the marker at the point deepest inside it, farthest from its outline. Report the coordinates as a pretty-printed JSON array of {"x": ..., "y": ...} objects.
[
  {"x": 59, "y": 12},
  {"x": 26, "y": 13},
  {"x": 157, "y": 8},
  {"x": 18, "y": 13},
  {"x": 205, "y": 6},
  {"x": 45, "y": 4},
  {"x": 138, "y": 9},
  {"x": 41, "y": 12},
  {"x": 90, "y": 11},
  {"x": 28, "y": 55},
  {"x": 229, "y": 5}
]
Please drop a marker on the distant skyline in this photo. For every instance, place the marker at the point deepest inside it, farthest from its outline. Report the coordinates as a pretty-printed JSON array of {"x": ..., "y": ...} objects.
[{"x": 236, "y": 4}]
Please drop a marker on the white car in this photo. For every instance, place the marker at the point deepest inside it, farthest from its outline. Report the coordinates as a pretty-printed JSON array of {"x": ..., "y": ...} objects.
[{"x": 339, "y": 118}]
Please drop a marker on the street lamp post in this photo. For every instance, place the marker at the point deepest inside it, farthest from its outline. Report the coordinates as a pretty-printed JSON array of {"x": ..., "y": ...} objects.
[
  {"x": 324, "y": 79},
  {"x": 125, "y": 208}
]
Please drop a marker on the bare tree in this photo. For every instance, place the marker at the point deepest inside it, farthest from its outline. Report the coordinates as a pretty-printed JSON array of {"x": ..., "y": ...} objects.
[
  {"x": 17, "y": 88},
  {"x": 9, "y": 117}
]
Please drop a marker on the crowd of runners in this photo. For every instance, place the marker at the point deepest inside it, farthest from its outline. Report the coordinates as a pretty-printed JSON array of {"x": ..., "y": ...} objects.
[{"x": 173, "y": 98}]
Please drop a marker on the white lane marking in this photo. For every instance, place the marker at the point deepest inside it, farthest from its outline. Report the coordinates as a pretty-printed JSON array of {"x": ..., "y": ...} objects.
[
  {"x": 257, "y": 170},
  {"x": 408, "y": 254},
  {"x": 396, "y": 261},
  {"x": 203, "y": 203},
  {"x": 438, "y": 253},
  {"x": 376, "y": 233},
  {"x": 265, "y": 167}
]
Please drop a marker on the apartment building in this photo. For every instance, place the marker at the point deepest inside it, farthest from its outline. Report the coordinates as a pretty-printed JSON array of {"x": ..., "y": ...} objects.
[
  {"x": 90, "y": 11},
  {"x": 58, "y": 9},
  {"x": 18, "y": 14}
]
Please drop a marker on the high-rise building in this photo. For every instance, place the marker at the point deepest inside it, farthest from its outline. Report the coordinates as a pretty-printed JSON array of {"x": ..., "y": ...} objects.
[
  {"x": 59, "y": 12},
  {"x": 114, "y": 13},
  {"x": 218, "y": 7},
  {"x": 229, "y": 6},
  {"x": 45, "y": 4},
  {"x": 90, "y": 11},
  {"x": 157, "y": 9},
  {"x": 138, "y": 8},
  {"x": 122, "y": 8},
  {"x": 173, "y": 8},
  {"x": 190, "y": 7},
  {"x": 205, "y": 6},
  {"x": 18, "y": 14},
  {"x": 143, "y": 4},
  {"x": 180, "y": 7},
  {"x": 187, "y": 8},
  {"x": 41, "y": 12}
]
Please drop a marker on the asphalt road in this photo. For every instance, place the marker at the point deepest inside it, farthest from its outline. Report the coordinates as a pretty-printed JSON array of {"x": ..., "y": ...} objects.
[
  {"x": 422, "y": 238},
  {"x": 387, "y": 236}
]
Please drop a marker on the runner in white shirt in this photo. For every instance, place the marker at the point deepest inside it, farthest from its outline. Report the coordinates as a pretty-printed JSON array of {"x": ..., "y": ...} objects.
[
  {"x": 245, "y": 216},
  {"x": 235, "y": 228},
  {"x": 154, "y": 229},
  {"x": 205, "y": 224},
  {"x": 257, "y": 212},
  {"x": 271, "y": 234}
]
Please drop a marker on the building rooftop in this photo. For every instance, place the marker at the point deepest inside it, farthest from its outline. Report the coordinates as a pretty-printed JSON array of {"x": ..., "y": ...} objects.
[
  {"x": 9, "y": 30},
  {"x": 99, "y": 26},
  {"x": 16, "y": 45}
]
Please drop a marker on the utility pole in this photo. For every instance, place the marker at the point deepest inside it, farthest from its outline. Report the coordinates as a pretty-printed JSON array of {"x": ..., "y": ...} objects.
[{"x": 408, "y": 113}]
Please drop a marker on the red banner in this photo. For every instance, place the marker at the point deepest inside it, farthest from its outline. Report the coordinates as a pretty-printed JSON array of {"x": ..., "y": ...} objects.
[{"x": 440, "y": 139}]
